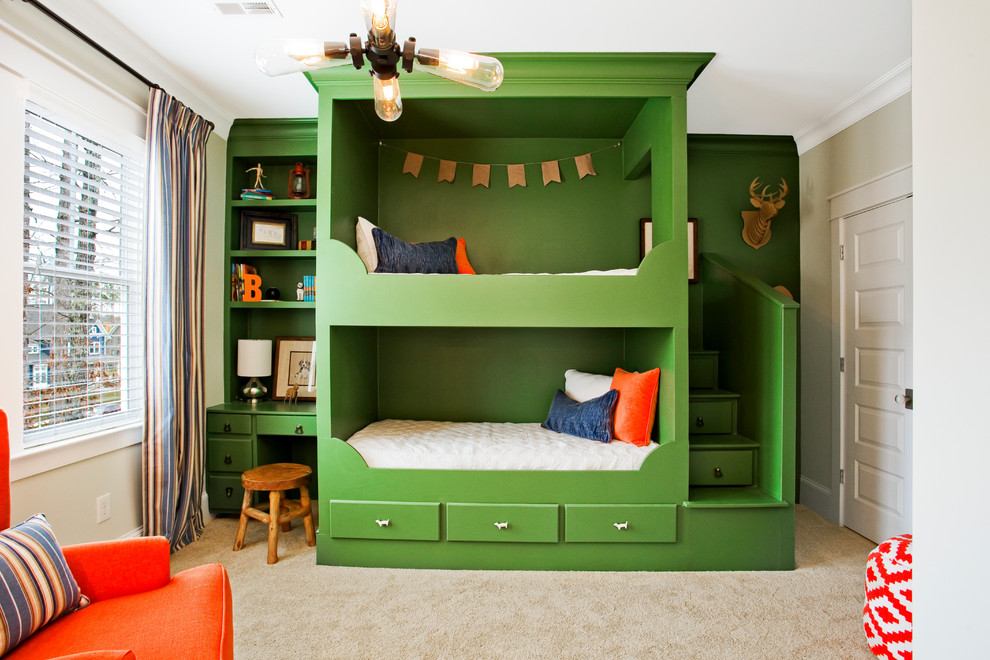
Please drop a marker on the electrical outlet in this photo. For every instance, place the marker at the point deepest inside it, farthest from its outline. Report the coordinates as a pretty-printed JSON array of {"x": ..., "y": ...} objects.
[{"x": 102, "y": 507}]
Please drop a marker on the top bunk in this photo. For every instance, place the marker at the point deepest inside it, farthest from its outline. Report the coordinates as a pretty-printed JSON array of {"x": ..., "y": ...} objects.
[{"x": 624, "y": 113}]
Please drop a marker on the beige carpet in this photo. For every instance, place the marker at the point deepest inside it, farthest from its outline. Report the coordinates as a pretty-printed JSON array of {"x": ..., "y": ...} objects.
[{"x": 296, "y": 609}]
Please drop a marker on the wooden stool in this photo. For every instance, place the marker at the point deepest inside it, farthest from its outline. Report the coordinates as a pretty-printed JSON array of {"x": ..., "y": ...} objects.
[{"x": 276, "y": 479}]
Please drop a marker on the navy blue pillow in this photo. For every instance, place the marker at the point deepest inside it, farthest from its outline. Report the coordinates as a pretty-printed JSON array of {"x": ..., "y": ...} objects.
[
  {"x": 591, "y": 419},
  {"x": 397, "y": 256}
]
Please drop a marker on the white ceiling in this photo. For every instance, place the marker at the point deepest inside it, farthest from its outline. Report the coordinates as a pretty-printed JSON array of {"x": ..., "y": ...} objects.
[{"x": 804, "y": 68}]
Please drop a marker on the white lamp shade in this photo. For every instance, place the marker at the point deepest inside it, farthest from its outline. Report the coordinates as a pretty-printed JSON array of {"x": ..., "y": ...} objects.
[{"x": 254, "y": 357}]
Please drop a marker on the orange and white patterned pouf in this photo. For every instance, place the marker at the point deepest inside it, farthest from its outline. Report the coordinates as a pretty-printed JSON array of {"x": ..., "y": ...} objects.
[{"x": 887, "y": 612}]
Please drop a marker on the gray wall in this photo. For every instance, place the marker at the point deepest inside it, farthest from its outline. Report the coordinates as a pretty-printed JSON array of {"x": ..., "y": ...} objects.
[{"x": 869, "y": 148}]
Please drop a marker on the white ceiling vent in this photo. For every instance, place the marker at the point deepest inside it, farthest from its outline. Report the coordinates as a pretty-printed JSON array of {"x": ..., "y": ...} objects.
[{"x": 266, "y": 8}]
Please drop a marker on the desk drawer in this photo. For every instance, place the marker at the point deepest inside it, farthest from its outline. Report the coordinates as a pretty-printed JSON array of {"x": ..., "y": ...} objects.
[
  {"x": 620, "y": 523},
  {"x": 286, "y": 424},
  {"x": 518, "y": 523},
  {"x": 224, "y": 423},
  {"x": 721, "y": 467},
  {"x": 225, "y": 492},
  {"x": 412, "y": 521},
  {"x": 229, "y": 455},
  {"x": 711, "y": 416}
]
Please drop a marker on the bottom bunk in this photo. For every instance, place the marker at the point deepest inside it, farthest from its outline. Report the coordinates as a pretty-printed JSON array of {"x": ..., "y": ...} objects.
[{"x": 540, "y": 519}]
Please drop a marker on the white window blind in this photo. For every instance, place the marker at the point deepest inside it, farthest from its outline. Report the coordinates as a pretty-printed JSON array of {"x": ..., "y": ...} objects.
[{"x": 83, "y": 280}]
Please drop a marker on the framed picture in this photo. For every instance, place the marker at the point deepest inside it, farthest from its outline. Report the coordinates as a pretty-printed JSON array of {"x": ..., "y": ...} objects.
[
  {"x": 692, "y": 249},
  {"x": 295, "y": 366},
  {"x": 268, "y": 231},
  {"x": 645, "y": 236}
]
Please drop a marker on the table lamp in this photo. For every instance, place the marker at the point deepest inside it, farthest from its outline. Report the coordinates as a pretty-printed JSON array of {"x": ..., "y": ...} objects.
[{"x": 254, "y": 361}]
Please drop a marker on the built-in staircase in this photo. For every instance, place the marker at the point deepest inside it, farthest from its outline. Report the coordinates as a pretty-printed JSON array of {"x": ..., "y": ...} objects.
[{"x": 720, "y": 456}]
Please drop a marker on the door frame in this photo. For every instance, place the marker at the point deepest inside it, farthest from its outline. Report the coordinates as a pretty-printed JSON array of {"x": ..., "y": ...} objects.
[{"x": 879, "y": 191}]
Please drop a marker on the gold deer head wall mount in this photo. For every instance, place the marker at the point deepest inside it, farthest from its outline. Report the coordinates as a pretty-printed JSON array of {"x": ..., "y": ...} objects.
[{"x": 756, "y": 224}]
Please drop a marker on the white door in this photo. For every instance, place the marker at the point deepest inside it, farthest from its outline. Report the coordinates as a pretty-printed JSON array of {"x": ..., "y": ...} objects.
[{"x": 876, "y": 341}]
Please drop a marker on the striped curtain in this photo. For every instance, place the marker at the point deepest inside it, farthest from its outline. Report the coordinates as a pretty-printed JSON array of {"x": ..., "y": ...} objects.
[{"x": 172, "y": 456}]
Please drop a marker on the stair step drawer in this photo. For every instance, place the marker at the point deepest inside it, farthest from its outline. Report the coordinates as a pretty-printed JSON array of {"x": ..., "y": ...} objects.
[
  {"x": 225, "y": 492},
  {"x": 229, "y": 455},
  {"x": 410, "y": 521},
  {"x": 221, "y": 423},
  {"x": 620, "y": 523},
  {"x": 725, "y": 467},
  {"x": 703, "y": 371},
  {"x": 512, "y": 523},
  {"x": 712, "y": 416},
  {"x": 286, "y": 424}
]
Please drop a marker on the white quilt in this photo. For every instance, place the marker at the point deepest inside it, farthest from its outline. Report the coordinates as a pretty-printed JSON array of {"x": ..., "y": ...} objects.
[{"x": 399, "y": 443}]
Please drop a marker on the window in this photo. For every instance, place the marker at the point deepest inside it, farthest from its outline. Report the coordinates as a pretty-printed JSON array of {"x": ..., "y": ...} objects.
[{"x": 83, "y": 280}]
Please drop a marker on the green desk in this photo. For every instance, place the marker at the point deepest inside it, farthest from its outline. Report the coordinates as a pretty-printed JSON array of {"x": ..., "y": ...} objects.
[{"x": 241, "y": 435}]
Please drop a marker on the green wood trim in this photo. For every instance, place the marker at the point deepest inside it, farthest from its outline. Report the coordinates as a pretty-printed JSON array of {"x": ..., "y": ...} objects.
[
  {"x": 265, "y": 408},
  {"x": 271, "y": 304},
  {"x": 301, "y": 204},
  {"x": 758, "y": 286},
  {"x": 385, "y": 520},
  {"x": 622, "y": 523},
  {"x": 502, "y": 523},
  {"x": 734, "y": 145},
  {"x": 744, "y": 497},
  {"x": 266, "y": 254}
]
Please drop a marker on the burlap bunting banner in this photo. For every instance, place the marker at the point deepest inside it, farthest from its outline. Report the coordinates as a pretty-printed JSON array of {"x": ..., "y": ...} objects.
[{"x": 481, "y": 172}]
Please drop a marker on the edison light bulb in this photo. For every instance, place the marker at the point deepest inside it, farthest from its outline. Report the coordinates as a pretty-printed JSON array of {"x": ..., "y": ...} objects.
[
  {"x": 280, "y": 56},
  {"x": 379, "y": 17},
  {"x": 388, "y": 101},
  {"x": 480, "y": 71}
]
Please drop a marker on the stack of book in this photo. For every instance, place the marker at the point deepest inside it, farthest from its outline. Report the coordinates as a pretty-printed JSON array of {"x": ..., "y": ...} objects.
[
  {"x": 309, "y": 288},
  {"x": 237, "y": 273},
  {"x": 256, "y": 193}
]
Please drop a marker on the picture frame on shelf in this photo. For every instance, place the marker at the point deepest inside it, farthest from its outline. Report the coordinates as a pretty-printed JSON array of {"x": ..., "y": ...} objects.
[
  {"x": 646, "y": 244},
  {"x": 645, "y": 237},
  {"x": 261, "y": 230},
  {"x": 692, "y": 238},
  {"x": 295, "y": 369}
]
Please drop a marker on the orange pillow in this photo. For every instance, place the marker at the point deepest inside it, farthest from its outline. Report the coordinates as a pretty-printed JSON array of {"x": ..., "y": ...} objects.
[
  {"x": 463, "y": 266},
  {"x": 637, "y": 405}
]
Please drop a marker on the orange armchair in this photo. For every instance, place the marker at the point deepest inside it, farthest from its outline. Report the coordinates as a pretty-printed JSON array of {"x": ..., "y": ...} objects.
[{"x": 137, "y": 610}]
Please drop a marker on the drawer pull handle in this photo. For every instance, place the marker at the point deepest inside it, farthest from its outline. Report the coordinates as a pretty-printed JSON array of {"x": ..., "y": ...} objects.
[
  {"x": 718, "y": 472},
  {"x": 502, "y": 525},
  {"x": 622, "y": 525},
  {"x": 226, "y": 427},
  {"x": 699, "y": 422},
  {"x": 299, "y": 429},
  {"x": 230, "y": 492},
  {"x": 227, "y": 459},
  {"x": 383, "y": 523}
]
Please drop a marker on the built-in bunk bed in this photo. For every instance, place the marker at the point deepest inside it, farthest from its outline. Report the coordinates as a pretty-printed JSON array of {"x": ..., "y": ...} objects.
[{"x": 424, "y": 359}]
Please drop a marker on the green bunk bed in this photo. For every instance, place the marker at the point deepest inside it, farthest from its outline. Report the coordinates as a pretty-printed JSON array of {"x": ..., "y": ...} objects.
[{"x": 493, "y": 347}]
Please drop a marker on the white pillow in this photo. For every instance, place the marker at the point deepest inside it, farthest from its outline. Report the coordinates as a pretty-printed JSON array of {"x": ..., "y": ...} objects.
[
  {"x": 583, "y": 387},
  {"x": 366, "y": 248}
]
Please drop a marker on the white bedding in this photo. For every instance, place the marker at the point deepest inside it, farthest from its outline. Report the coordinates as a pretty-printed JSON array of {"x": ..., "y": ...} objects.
[{"x": 400, "y": 443}]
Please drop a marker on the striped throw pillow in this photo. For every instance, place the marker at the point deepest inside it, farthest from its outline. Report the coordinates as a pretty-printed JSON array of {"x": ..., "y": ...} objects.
[{"x": 37, "y": 586}]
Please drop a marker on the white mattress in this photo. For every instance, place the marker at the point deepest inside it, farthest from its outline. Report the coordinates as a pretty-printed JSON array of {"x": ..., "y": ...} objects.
[{"x": 400, "y": 443}]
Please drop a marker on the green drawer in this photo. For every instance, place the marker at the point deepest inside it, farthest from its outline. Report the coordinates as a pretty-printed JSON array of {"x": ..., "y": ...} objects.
[
  {"x": 225, "y": 492},
  {"x": 286, "y": 424},
  {"x": 703, "y": 371},
  {"x": 721, "y": 467},
  {"x": 412, "y": 521},
  {"x": 620, "y": 523},
  {"x": 229, "y": 454},
  {"x": 224, "y": 423},
  {"x": 712, "y": 416},
  {"x": 519, "y": 523}
]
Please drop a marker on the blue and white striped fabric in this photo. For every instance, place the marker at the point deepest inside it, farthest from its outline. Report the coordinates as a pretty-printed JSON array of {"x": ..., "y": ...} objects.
[
  {"x": 174, "y": 429},
  {"x": 36, "y": 585}
]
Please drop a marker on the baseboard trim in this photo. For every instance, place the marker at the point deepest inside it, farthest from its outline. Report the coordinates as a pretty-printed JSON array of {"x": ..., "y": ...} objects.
[
  {"x": 820, "y": 498},
  {"x": 133, "y": 534}
]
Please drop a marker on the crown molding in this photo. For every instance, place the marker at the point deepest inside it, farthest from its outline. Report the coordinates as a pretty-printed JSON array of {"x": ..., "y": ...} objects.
[
  {"x": 92, "y": 20},
  {"x": 889, "y": 87}
]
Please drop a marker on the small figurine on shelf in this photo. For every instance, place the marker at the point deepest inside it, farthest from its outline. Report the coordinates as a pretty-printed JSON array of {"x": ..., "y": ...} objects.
[
  {"x": 259, "y": 174},
  {"x": 299, "y": 291},
  {"x": 291, "y": 393}
]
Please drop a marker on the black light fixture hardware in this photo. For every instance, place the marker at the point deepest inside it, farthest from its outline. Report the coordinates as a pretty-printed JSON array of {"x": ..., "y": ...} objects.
[{"x": 383, "y": 54}]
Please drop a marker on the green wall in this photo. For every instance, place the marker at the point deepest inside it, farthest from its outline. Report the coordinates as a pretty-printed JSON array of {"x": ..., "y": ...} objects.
[{"x": 720, "y": 170}]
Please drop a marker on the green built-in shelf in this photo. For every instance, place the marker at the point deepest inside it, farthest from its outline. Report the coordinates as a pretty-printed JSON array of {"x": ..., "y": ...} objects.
[
  {"x": 271, "y": 304},
  {"x": 284, "y": 254},
  {"x": 263, "y": 203}
]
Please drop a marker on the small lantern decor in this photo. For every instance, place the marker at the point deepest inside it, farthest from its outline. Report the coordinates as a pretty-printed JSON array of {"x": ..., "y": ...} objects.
[{"x": 299, "y": 182}]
